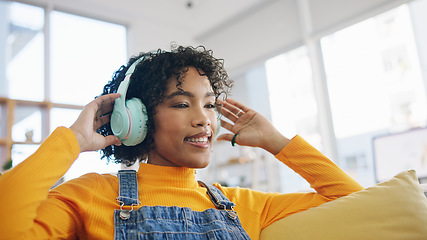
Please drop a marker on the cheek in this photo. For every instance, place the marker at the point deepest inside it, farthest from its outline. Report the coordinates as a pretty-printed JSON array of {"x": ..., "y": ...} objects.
[{"x": 167, "y": 125}]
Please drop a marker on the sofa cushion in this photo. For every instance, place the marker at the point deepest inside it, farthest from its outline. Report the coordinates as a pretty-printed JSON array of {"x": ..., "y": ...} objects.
[{"x": 394, "y": 209}]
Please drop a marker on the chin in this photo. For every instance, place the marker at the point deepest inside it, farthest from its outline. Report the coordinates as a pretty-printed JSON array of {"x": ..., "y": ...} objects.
[{"x": 201, "y": 165}]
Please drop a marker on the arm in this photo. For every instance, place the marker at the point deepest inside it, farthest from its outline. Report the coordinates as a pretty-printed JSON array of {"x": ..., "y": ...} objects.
[
  {"x": 255, "y": 130},
  {"x": 24, "y": 189},
  {"x": 329, "y": 181},
  {"x": 323, "y": 175},
  {"x": 258, "y": 210}
]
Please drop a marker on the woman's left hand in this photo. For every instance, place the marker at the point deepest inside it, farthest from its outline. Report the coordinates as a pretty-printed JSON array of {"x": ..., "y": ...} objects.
[{"x": 252, "y": 128}]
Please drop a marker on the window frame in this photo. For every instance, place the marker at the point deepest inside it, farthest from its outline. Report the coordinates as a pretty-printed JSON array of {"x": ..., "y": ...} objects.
[{"x": 9, "y": 105}]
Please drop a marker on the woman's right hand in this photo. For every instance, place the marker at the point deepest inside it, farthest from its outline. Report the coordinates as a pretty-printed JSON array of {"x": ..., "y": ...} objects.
[{"x": 90, "y": 119}]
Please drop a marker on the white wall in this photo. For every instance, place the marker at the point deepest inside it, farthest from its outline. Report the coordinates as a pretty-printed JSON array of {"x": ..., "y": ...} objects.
[
  {"x": 270, "y": 29},
  {"x": 146, "y": 36}
]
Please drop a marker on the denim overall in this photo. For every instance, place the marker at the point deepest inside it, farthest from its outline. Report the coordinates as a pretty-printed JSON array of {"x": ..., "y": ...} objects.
[{"x": 161, "y": 222}]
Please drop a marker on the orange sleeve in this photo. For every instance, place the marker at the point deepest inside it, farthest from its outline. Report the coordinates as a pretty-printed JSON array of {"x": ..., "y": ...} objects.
[
  {"x": 25, "y": 187},
  {"x": 323, "y": 175}
]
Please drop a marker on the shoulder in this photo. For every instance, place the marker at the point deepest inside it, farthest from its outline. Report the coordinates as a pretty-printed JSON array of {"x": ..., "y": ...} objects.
[
  {"x": 88, "y": 183},
  {"x": 245, "y": 197}
]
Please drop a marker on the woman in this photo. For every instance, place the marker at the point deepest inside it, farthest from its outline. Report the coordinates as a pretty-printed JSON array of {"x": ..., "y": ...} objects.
[{"x": 176, "y": 94}]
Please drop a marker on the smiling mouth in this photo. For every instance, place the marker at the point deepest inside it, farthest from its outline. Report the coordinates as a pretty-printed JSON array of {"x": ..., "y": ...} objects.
[{"x": 201, "y": 141}]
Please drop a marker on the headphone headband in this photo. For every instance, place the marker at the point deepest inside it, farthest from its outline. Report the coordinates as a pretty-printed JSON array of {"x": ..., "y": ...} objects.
[
  {"x": 133, "y": 66},
  {"x": 124, "y": 85}
]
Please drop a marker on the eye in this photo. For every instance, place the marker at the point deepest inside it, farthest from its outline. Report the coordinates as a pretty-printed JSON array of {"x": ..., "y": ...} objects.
[
  {"x": 210, "y": 105},
  {"x": 180, "y": 105}
]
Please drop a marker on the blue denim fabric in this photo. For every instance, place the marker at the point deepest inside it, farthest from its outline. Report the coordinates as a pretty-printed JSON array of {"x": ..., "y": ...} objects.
[
  {"x": 161, "y": 222},
  {"x": 128, "y": 193}
]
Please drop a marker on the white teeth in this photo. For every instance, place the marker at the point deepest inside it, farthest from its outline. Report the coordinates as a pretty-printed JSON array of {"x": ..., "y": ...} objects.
[{"x": 200, "y": 139}]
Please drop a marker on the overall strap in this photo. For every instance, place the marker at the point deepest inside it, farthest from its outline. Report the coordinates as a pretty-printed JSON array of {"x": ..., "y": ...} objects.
[
  {"x": 218, "y": 198},
  {"x": 128, "y": 188}
]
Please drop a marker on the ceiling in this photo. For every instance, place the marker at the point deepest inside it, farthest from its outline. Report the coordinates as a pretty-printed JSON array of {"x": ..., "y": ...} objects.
[
  {"x": 199, "y": 17},
  {"x": 193, "y": 17}
]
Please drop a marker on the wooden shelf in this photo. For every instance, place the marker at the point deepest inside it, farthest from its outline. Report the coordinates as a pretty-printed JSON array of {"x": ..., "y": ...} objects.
[
  {"x": 236, "y": 161},
  {"x": 28, "y": 143},
  {"x": 42, "y": 104},
  {"x": 8, "y": 114}
]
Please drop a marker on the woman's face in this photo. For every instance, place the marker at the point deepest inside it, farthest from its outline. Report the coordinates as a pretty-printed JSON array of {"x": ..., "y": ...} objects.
[{"x": 185, "y": 123}]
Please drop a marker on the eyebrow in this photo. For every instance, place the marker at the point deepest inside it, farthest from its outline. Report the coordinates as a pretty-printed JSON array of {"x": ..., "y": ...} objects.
[{"x": 188, "y": 94}]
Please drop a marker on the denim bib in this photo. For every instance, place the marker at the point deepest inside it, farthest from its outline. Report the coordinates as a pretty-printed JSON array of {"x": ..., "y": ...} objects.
[{"x": 161, "y": 222}]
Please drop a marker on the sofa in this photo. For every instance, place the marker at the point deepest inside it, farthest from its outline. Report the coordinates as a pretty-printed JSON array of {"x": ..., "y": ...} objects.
[{"x": 391, "y": 210}]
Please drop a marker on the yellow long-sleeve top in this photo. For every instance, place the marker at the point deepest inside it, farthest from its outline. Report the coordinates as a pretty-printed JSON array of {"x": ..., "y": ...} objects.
[{"x": 83, "y": 208}]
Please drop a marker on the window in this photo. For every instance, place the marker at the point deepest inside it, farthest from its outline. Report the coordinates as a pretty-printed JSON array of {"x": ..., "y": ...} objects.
[
  {"x": 84, "y": 55},
  {"x": 24, "y": 50},
  {"x": 375, "y": 86},
  {"x": 27, "y": 124},
  {"x": 291, "y": 92},
  {"x": 293, "y": 106},
  {"x": 40, "y": 88}
]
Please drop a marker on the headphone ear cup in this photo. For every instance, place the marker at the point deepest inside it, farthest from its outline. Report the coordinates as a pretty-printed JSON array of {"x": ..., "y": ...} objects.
[
  {"x": 138, "y": 122},
  {"x": 120, "y": 121}
]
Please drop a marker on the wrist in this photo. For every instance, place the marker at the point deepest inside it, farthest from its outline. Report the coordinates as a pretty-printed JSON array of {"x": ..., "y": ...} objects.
[
  {"x": 79, "y": 138},
  {"x": 276, "y": 143}
]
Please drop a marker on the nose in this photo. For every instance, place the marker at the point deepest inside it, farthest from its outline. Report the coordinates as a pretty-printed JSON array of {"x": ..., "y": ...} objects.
[{"x": 201, "y": 118}]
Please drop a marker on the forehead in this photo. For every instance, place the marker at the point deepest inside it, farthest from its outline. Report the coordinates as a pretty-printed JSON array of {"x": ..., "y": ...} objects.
[{"x": 192, "y": 80}]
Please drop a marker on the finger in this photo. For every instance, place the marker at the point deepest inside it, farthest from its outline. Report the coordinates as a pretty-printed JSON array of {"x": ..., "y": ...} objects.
[
  {"x": 108, "y": 98},
  {"x": 106, "y": 103},
  {"x": 225, "y": 137},
  {"x": 100, "y": 105},
  {"x": 112, "y": 140},
  {"x": 237, "y": 104},
  {"x": 233, "y": 112},
  {"x": 228, "y": 114},
  {"x": 230, "y": 107},
  {"x": 227, "y": 125},
  {"x": 101, "y": 121}
]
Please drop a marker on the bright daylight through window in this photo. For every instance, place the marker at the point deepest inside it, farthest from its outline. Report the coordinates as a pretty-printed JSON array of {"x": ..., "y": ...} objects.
[
  {"x": 293, "y": 105},
  {"x": 374, "y": 82},
  {"x": 375, "y": 86},
  {"x": 44, "y": 86}
]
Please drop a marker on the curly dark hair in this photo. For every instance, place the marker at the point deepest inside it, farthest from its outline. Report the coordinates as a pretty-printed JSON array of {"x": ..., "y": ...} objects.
[{"x": 148, "y": 83}]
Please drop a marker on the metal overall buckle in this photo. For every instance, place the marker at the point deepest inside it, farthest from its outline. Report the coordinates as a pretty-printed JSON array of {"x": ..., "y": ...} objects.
[{"x": 125, "y": 214}]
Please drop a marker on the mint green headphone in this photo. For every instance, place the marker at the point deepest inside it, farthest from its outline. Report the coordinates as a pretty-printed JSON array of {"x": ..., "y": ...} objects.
[{"x": 129, "y": 117}]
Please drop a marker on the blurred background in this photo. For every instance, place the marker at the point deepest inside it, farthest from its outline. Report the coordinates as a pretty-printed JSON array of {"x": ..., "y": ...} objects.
[{"x": 349, "y": 76}]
